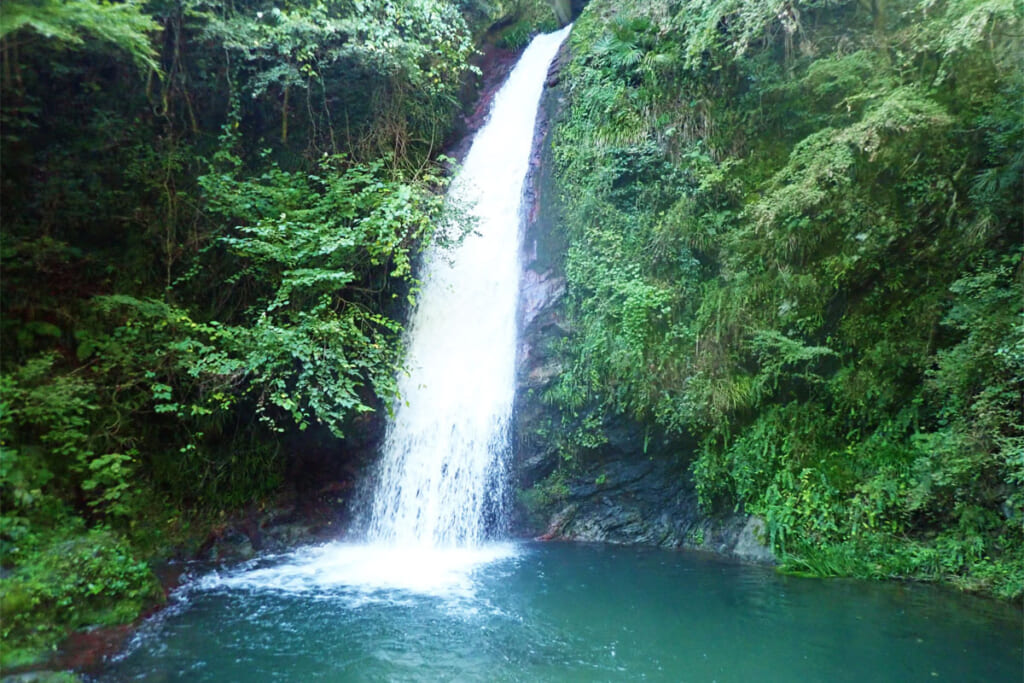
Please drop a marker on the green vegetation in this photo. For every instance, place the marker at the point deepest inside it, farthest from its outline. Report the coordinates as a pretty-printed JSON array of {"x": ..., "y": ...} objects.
[
  {"x": 795, "y": 233},
  {"x": 211, "y": 213}
]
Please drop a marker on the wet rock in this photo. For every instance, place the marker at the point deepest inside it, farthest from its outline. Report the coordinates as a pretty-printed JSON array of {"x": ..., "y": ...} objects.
[
  {"x": 278, "y": 529},
  {"x": 540, "y": 293},
  {"x": 633, "y": 489},
  {"x": 644, "y": 501},
  {"x": 752, "y": 542}
]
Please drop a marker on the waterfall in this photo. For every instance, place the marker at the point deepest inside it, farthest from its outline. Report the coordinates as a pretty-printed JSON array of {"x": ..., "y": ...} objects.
[
  {"x": 440, "y": 482},
  {"x": 441, "y": 478}
]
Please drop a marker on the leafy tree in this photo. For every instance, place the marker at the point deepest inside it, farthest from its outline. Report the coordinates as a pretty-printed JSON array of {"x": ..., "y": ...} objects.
[
  {"x": 70, "y": 22},
  {"x": 211, "y": 218}
]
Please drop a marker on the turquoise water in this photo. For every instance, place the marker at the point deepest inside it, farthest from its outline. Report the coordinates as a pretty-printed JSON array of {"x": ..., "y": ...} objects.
[{"x": 562, "y": 612}]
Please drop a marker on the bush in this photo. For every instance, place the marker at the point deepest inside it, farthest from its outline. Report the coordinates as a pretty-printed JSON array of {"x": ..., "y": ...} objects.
[{"x": 70, "y": 579}]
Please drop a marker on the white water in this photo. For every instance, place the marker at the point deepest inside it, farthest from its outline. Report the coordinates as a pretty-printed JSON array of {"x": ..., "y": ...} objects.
[
  {"x": 441, "y": 477},
  {"x": 365, "y": 573}
]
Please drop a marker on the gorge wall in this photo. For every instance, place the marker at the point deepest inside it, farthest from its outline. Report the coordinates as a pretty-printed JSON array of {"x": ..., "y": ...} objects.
[
  {"x": 633, "y": 485},
  {"x": 787, "y": 245}
]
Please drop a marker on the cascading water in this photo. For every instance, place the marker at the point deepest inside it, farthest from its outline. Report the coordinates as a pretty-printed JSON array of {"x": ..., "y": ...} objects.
[
  {"x": 413, "y": 607},
  {"x": 441, "y": 476}
]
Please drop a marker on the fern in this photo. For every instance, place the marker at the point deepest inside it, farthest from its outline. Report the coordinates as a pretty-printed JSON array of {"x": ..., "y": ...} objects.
[{"x": 121, "y": 24}]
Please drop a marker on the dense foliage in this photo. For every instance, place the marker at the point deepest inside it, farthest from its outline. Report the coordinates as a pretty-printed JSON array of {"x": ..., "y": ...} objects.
[
  {"x": 211, "y": 214},
  {"x": 795, "y": 234}
]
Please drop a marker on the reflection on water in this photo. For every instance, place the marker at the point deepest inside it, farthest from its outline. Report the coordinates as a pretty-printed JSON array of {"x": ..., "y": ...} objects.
[{"x": 565, "y": 613}]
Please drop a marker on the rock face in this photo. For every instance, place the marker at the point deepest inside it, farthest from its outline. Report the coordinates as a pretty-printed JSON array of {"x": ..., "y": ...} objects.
[
  {"x": 634, "y": 486},
  {"x": 650, "y": 501}
]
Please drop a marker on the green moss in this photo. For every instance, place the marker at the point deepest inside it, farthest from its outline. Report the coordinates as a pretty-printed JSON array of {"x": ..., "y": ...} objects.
[
  {"x": 542, "y": 496},
  {"x": 70, "y": 580},
  {"x": 781, "y": 242}
]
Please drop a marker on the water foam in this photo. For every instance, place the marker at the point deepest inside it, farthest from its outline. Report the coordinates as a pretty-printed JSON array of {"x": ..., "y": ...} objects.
[{"x": 364, "y": 571}]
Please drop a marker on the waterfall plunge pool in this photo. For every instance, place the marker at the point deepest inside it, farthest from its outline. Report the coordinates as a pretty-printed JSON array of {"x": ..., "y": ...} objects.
[
  {"x": 408, "y": 610},
  {"x": 561, "y": 612}
]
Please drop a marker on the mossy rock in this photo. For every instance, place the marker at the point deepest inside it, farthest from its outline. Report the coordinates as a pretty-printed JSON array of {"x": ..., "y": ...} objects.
[
  {"x": 67, "y": 584},
  {"x": 15, "y": 599}
]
